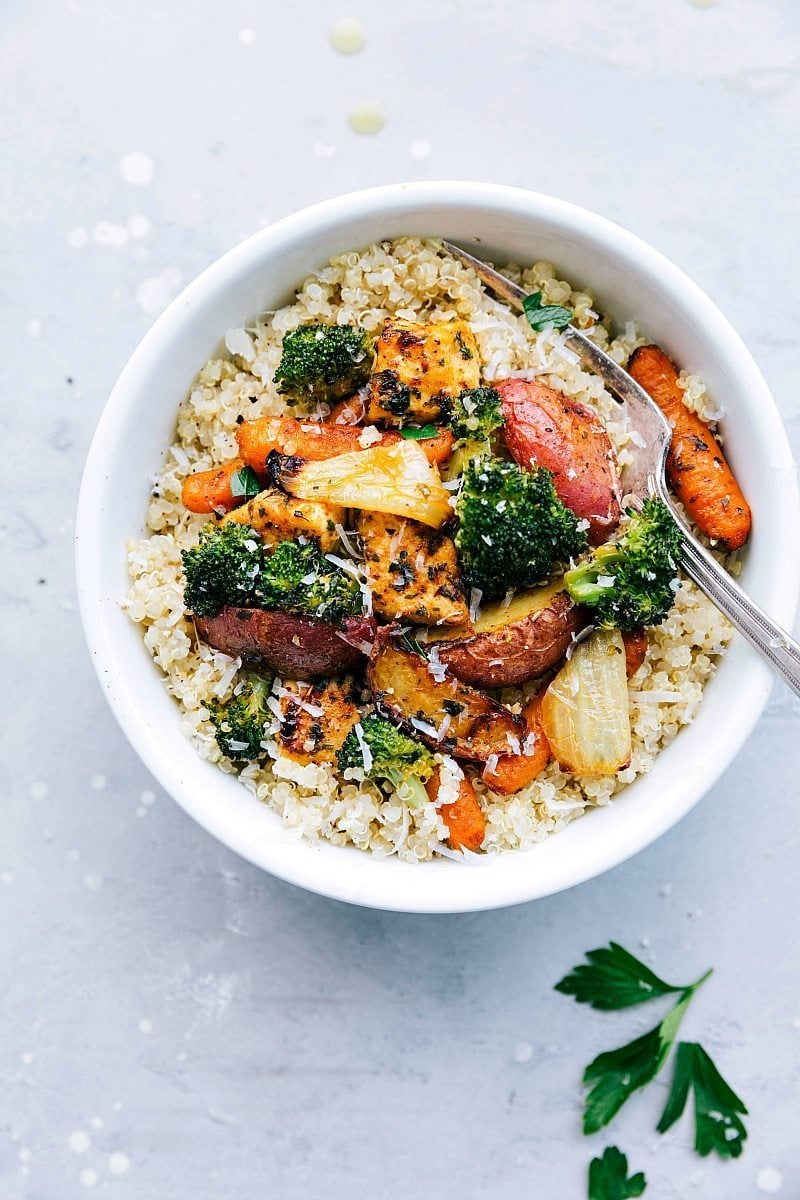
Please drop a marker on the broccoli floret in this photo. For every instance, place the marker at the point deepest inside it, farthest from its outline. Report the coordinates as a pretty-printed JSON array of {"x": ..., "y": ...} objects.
[
  {"x": 240, "y": 724},
  {"x": 222, "y": 568},
  {"x": 631, "y": 581},
  {"x": 512, "y": 526},
  {"x": 323, "y": 362},
  {"x": 473, "y": 415},
  {"x": 384, "y": 752},
  {"x": 297, "y": 578}
]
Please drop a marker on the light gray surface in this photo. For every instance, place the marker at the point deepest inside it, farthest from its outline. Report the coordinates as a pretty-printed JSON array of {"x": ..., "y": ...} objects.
[{"x": 235, "y": 1037}]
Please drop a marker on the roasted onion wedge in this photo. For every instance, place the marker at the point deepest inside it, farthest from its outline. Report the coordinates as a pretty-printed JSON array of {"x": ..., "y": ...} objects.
[
  {"x": 585, "y": 712},
  {"x": 395, "y": 479}
]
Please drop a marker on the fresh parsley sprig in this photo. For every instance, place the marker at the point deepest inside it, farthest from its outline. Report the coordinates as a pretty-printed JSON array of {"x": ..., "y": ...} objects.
[
  {"x": 613, "y": 978},
  {"x": 609, "y": 1180},
  {"x": 614, "y": 1076},
  {"x": 718, "y": 1125},
  {"x": 540, "y": 316}
]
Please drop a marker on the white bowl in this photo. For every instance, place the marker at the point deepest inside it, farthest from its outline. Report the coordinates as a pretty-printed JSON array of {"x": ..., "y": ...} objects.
[{"x": 633, "y": 281}]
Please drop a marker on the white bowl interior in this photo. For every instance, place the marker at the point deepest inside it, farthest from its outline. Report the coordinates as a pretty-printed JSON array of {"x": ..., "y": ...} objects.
[{"x": 632, "y": 281}]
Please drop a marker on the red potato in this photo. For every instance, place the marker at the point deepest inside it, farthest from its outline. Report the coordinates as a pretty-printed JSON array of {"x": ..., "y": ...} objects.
[
  {"x": 513, "y": 642},
  {"x": 299, "y": 647},
  {"x": 544, "y": 427}
]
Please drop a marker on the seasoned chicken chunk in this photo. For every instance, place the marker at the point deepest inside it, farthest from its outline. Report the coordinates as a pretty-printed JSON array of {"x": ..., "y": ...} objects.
[
  {"x": 276, "y": 517},
  {"x": 412, "y": 571},
  {"x": 316, "y": 722},
  {"x": 416, "y": 365}
]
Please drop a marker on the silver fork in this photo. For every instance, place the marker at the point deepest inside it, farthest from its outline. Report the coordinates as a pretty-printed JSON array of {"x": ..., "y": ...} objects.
[{"x": 645, "y": 476}]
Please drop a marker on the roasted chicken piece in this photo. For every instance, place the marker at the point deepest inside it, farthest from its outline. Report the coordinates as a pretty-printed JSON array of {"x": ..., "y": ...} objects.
[
  {"x": 276, "y": 517},
  {"x": 416, "y": 366},
  {"x": 316, "y": 718},
  {"x": 412, "y": 571}
]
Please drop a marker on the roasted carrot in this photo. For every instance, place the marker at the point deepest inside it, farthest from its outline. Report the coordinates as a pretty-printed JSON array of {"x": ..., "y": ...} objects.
[
  {"x": 347, "y": 412},
  {"x": 318, "y": 440},
  {"x": 635, "y": 643},
  {"x": 311, "y": 440},
  {"x": 440, "y": 448},
  {"x": 464, "y": 818},
  {"x": 516, "y": 771},
  {"x": 696, "y": 466},
  {"x": 207, "y": 491}
]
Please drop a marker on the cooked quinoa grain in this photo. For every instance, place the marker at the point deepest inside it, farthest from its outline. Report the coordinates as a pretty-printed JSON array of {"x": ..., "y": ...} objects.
[{"x": 412, "y": 280}]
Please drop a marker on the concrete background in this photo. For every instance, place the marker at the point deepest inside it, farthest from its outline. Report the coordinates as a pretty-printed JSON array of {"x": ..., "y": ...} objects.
[{"x": 176, "y": 1024}]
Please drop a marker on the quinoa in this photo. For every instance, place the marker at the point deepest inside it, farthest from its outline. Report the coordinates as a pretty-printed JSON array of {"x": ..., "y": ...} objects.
[{"x": 410, "y": 279}]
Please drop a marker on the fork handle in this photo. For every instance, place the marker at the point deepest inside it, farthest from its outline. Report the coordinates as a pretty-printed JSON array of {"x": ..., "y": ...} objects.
[{"x": 772, "y": 642}]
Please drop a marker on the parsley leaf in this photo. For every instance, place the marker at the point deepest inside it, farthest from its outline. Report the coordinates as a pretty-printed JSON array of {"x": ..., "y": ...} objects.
[
  {"x": 245, "y": 483},
  {"x": 541, "y": 315},
  {"x": 613, "y": 978},
  {"x": 608, "y": 1177},
  {"x": 716, "y": 1106},
  {"x": 615, "y": 1075},
  {"x": 418, "y": 434}
]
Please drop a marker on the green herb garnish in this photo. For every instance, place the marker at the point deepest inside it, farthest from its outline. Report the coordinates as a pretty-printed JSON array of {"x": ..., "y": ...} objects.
[
  {"x": 615, "y": 1075},
  {"x": 608, "y": 1177},
  {"x": 541, "y": 315},
  {"x": 417, "y": 433},
  {"x": 613, "y": 978},
  {"x": 244, "y": 483},
  {"x": 717, "y": 1123}
]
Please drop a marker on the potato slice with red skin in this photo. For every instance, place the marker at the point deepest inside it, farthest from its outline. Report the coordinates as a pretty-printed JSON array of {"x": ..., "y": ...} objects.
[
  {"x": 299, "y": 647},
  {"x": 405, "y": 691},
  {"x": 510, "y": 644},
  {"x": 546, "y": 428}
]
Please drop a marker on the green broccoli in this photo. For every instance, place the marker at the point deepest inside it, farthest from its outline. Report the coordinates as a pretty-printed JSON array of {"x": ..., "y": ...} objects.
[
  {"x": 222, "y": 568},
  {"x": 239, "y": 725},
  {"x": 297, "y": 578},
  {"x": 473, "y": 415},
  {"x": 384, "y": 752},
  {"x": 512, "y": 526},
  {"x": 631, "y": 581},
  {"x": 323, "y": 362}
]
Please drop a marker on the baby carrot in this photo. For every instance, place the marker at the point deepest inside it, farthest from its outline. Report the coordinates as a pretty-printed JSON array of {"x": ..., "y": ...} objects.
[
  {"x": 516, "y": 771},
  {"x": 464, "y": 818},
  {"x": 696, "y": 466},
  {"x": 207, "y": 491}
]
